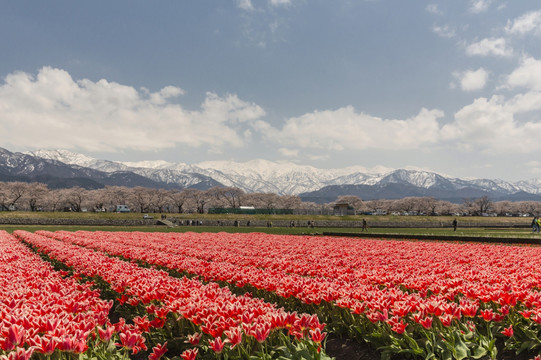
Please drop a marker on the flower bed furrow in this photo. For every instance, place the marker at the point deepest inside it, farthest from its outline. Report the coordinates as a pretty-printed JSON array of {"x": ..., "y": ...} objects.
[
  {"x": 465, "y": 279},
  {"x": 213, "y": 310},
  {"x": 431, "y": 297},
  {"x": 40, "y": 310}
]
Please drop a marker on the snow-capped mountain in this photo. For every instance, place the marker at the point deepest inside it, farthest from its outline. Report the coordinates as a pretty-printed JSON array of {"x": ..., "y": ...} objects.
[
  {"x": 266, "y": 176},
  {"x": 252, "y": 176}
]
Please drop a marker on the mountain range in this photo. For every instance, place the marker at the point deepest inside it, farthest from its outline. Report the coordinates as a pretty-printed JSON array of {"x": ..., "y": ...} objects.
[{"x": 61, "y": 168}]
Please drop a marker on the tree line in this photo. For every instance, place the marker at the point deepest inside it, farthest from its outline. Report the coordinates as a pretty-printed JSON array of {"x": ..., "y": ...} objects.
[{"x": 38, "y": 197}]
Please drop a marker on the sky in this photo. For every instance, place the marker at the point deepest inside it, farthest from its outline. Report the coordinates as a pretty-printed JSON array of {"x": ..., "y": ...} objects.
[{"x": 450, "y": 86}]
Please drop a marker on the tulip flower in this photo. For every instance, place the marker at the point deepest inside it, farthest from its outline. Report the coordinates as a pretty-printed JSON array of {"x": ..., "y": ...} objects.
[
  {"x": 158, "y": 351},
  {"x": 216, "y": 344},
  {"x": 234, "y": 336},
  {"x": 189, "y": 354},
  {"x": 508, "y": 331}
]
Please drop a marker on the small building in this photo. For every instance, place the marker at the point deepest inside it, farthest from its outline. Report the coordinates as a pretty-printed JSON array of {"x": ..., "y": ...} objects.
[
  {"x": 343, "y": 209},
  {"x": 122, "y": 209}
]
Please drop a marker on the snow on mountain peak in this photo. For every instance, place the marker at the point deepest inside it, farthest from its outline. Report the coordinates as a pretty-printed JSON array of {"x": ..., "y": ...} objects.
[
  {"x": 150, "y": 164},
  {"x": 65, "y": 156},
  {"x": 282, "y": 177}
]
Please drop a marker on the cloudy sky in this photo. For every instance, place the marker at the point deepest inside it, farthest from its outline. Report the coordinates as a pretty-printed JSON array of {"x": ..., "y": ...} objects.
[{"x": 452, "y": 86}]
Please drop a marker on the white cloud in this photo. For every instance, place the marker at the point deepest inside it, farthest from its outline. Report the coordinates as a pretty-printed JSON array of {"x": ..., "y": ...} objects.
[
  {"x": 491, "y": 125},
  {"x": 345, "y": 129},
  {"x": 479, "y": 6},
  {"x": 472, "y": 80},
  {"x": 444, "y": 31},
  {"x": 245, "y": 5},
  {"x": 498, "y": 124},
  {"x": 280, "y": 2},
  {"x": 52, "y": 110},
  {"x": 527, "y": 23},
  {"x": 289, "y": 152},
  {"x": 434, "y": 9},
  {"x": 528, "y": 75},
  {"x": 490, "y": 46}
]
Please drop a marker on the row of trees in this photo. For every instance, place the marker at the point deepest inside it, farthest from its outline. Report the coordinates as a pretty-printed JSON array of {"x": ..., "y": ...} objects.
[{"x": 38, "y": 197}]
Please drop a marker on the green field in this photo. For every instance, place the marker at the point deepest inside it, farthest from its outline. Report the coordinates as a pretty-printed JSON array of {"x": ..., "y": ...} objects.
[
  {"x": 302, "y": 218},
  {"x": 492, "y": 227}
]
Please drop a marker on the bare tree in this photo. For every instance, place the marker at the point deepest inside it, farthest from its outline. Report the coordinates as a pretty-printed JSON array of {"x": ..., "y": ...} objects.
[
  {"x": 4, "y": 196},
  {"x": 76, "y": 197},
  {"x": 290, "y": 202},
  {"x": 226, "y": 196},
  {"x": 36, "y": 195},
  {"x": 178, "y": 198},
  {"x": 55, "y": 198},
  {"x": 503, "y": 207},
  {"x": 447, "y": 208},
  {"x": 529, "y": 207},
  {"x": 426, "y": 205},
  {"x": 267, "y": 200},
  {"x": 143, "y": 198},
  {"x": 483, "y": 205},
  {"x": 379, "y": 205},
  {"x": 161, "y": 200},
  {"x": 15, "y": 191},
  {"x": 199, "y": 198},
  {"x": 405, "y": 205},
  {"x": 116, "y": 195}
]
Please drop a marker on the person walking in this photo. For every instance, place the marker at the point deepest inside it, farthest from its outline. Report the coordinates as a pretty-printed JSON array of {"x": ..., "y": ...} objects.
[
  {"x": 365, "y": 226},
  {"x": 455, "y": 223}
]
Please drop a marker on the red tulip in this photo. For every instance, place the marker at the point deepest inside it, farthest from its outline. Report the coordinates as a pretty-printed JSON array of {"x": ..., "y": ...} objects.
[
  {"x": 189, "y": 354},
  {"x": 158, "y": 351},
  {"x": 508, "y": 331},
  {"x": 217, "y": 345}
]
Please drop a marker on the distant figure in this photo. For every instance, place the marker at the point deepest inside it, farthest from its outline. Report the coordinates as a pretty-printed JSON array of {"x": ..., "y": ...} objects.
[
  {"x": 536, "y": 224},
  {"x": 365, "y": 226},
  {"x": 455, "y": 223}
]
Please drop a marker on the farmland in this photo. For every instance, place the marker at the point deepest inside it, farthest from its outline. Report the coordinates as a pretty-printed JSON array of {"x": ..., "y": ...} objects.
[{"x": 264, "y": 296}]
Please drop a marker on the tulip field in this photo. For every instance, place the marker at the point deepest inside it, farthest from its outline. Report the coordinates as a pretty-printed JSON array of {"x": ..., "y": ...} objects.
[{"x": 121, "y": 295}]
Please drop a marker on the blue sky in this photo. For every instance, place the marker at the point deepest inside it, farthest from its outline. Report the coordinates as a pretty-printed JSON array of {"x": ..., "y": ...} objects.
[{"x": 448, "y": 86}]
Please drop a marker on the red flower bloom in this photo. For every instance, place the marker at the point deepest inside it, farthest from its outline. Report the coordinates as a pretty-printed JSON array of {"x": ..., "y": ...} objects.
[
  {"x": 317, "y": 335},
  {"x": 158, "y": 351},
  {"x": 426, "y": 322},
  {"x": 508, "y": 331},
  {"x": 195, "y": 338},
  {"x": 234, "y": 336},
  {"x": 217, "y": 345},
  {"x": 189, "y": 354}
]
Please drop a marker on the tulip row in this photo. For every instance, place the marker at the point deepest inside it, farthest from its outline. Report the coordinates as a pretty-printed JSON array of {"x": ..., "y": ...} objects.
[
  {"x": 223, "y": 318},
  {"x": 476, "y": 271},
  {"x": 465, "y": 276},
  {"x": 480, "y": 292},
  {"x": 41, "y": 311}
]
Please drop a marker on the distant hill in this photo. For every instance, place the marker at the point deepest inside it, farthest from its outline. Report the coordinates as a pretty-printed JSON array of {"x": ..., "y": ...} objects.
[
  {"x": 60, "y": 168},
  {"x": 57, "y": 174}
]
